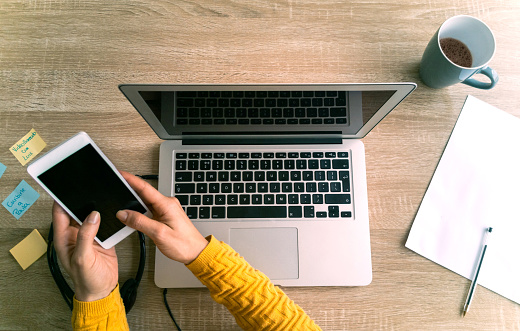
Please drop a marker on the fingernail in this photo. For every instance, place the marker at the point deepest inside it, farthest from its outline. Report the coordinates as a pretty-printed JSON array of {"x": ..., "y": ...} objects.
[
  {"x": 122, "y": 215},
  {"x": 93, "y": 218}
]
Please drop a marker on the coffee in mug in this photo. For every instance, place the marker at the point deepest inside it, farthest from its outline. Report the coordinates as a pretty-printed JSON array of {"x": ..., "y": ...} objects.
[{"x": 456, "y": 51}]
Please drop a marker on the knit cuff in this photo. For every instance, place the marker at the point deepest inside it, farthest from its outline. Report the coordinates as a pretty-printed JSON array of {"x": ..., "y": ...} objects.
[
  {"x": 207, "y": 256},
  {"x": 101, "y": 306}
]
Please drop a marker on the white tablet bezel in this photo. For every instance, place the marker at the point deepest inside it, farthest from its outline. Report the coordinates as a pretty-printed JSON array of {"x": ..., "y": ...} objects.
[{"x": 61, "y": 152}]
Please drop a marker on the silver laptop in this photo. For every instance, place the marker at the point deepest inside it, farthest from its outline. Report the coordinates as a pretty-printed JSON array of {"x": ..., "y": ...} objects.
[{"x": 275, "y": 171}]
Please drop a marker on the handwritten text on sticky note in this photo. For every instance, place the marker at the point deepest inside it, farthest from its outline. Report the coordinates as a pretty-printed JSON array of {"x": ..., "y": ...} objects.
[
  {"x": 20, "y": 199},
  {"x": 27, "y": 251},
  {"x": 28, "y": 147}
]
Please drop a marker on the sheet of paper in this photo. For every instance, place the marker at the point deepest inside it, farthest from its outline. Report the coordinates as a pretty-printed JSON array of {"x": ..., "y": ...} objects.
[
  {"x": 20, "y": 199},
  {"x": 2, "y": 169},
  {"x": 28, "y": 147},
  {"x": 476, "y": 185},
  {"x": 27, "y": 251}
]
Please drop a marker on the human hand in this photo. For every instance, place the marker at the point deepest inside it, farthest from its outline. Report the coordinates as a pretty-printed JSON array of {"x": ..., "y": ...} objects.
[
  {"x": 170, "y": 229},
  {"x": 92, "y": 268}
]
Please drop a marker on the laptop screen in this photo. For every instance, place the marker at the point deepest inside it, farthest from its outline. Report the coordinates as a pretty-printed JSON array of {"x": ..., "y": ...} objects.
[{"x": 336, "y": 110}]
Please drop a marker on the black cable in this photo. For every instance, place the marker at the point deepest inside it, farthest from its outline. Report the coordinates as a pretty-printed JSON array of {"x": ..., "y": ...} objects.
[
  {"x": 165, "y": 290},
  {"x": 63, "y": 286},
  {"x": 168, "y": 308},
  {"x": 148, "y": 176}
]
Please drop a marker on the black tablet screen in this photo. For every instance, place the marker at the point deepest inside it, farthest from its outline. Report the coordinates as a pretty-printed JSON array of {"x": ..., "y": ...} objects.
[{"x": 84, "y": 182}]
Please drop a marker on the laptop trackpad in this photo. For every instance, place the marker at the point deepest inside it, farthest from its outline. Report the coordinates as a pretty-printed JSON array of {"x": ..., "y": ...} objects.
[{"x": 273, "y": 251}]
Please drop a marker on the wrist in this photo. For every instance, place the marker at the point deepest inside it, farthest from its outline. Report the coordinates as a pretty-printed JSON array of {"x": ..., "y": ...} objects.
[
  {"x": 198, "y": 247},
  {"x": 89, "y": 296}
]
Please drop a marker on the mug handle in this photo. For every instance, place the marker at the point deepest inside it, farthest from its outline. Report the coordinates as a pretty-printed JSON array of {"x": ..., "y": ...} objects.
[{"x": 490, "y": 73}]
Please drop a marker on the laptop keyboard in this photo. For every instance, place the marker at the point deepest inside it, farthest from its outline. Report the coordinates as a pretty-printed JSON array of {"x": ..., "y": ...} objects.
[
  {"x": 257, "y": 185},
  {"x": 261, "y": 107}
]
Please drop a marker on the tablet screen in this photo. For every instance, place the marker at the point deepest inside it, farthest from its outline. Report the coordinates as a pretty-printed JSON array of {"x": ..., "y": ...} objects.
[{"x": 84, "y": 182}]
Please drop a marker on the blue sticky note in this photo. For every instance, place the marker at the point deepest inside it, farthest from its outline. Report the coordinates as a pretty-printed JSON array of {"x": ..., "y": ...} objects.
[
  {"x": 20, "y": 199},
  {"x": 2, "y": 169}
]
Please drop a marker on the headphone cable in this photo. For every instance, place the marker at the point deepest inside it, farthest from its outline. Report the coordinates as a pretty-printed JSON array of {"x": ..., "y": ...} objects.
[{"x": 168, "y": 308}]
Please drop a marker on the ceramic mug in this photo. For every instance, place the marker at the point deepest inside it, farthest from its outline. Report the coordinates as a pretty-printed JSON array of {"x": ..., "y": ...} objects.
[{"x": 446, "y": 62}]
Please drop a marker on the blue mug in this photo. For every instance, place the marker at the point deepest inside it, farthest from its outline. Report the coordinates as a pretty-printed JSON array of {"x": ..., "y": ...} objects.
[{"x": 438, "y": 66}]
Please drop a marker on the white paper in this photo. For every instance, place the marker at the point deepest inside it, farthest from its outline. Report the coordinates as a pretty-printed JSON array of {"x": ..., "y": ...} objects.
[{"x": 476, "y": 185}]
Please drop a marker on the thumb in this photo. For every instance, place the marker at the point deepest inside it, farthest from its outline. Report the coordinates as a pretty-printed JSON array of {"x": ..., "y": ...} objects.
[
  {"x": 87, "y": 232},
  {"x": 140, "y": 222}
]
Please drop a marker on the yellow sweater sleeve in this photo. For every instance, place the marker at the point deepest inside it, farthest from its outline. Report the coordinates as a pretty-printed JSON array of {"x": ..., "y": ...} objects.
[
  {"x": 246, "y": 292},
  {"x": 104, "y": 314}
]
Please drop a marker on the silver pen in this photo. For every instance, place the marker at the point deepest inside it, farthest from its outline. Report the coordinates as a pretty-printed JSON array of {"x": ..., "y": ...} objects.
[{"x": 475, "y": 277}]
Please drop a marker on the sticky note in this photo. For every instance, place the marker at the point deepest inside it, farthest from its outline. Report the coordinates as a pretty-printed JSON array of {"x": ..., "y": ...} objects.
[
  {"x": 2, "y": 169},
  {"x": 27, "y": 251},
  {"x": 20, "y": 199},
  {"x": 28, "y": 147}
]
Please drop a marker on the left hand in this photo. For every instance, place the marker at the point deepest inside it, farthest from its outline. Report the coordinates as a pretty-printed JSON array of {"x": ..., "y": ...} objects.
[{"x": 92, "y": 268}]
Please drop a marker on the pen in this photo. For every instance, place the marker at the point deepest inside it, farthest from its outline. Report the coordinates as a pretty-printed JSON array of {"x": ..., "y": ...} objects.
[{"x": 474, "y": 282}]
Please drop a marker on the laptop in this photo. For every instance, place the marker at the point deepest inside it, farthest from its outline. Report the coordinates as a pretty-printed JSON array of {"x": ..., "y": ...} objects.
[{"x": 275, "y": 171}]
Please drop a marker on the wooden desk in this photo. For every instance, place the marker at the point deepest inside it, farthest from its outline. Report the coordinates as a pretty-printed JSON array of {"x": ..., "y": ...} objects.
[{"x": 61, "y": 62}]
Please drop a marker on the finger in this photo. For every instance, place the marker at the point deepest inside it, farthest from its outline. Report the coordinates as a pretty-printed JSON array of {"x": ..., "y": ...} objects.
[
  {"x": 146, "y": 191},
  {"x": 140, "y": 222},
  {"x": 87, "y": 232},
  {"x": 61, "y": 222}
]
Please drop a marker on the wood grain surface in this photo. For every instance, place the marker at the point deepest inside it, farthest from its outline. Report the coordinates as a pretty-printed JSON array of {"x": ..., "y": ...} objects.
[{"x": 61, "y": 62}]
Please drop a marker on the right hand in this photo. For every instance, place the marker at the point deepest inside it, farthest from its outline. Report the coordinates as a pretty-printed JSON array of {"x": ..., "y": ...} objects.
[{"x": 170, "y": 229}]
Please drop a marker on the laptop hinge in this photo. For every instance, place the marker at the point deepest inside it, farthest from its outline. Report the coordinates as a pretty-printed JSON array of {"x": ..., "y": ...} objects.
[{"x": 261, "y": 141}]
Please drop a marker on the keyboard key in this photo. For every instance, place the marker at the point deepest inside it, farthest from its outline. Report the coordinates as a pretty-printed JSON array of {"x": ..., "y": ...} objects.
[
  {"x": 231, "y": 155},
  {"x": 195, "y": 200},
  {"x": 257, "y": 212},
  {"x": 269, "y": 199},
  {"x": 180, "y": 165},
  {"x": 211, "y": 176},
  {"x": 256, "y": 199},
  {"x": 340, "y": 164},
  {"x": 333, "y": 211},
  {"x": 204, "y": 212},
  {"x": 251, "y": 187},
  {"x": 244, "y": 199},
  {"x": 218, "y": 212},
  {"x": 193, "y": 165},
  {"x": 232, "y": 199},
  {"x": 192, "y": 212},
  {"x": 317, "y": 199},
  {"x": 220, "y": 199},
  {"x": 293, "y": 199},
  {"x": 295, "y": 211},
  {"x": 305, "y": 199},
  {"x": 337, "y": 199},
  {"x": 184, "y": 188},
  {"x": 183, "y": 176},
  {"x": 308, "y": 211},
  {"x": 202, "y": 188},
  {"x": 183, "y": 199},
  {"x": 338, "y": 112},
  {"x": 281, "y": 199}
]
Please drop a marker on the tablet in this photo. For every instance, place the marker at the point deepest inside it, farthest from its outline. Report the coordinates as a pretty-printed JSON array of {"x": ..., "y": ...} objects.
[{"x": 82, "y": 179}]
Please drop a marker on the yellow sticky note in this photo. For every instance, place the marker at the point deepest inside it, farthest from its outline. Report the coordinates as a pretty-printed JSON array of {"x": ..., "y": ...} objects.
[
  {"x": 27, "y": 251},
  {"x": 28, "y": 147}
]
